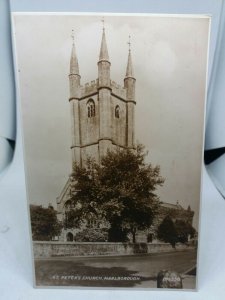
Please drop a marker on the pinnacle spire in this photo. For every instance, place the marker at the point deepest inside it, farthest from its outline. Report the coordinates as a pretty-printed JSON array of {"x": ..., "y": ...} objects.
[
  {"x": 103, "y": 51},
  {"x": 74, "y": 67},
  {"x": 129, "y": 71}
]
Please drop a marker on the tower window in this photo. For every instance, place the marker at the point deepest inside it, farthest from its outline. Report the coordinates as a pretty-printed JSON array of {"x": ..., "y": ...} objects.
[
  {"x": 117, "y": 111},
  {"x": 91, "y": 108}
]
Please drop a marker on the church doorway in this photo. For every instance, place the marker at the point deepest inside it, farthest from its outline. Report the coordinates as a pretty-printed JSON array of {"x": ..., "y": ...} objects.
[
  {"x": 69, "y": 237},
  {"x": 149, "y": 238}
]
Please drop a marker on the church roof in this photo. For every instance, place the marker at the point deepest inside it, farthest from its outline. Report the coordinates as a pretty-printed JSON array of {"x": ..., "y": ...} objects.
[
  {"x": 103, "y": 51},
  {"x": 64, "y": 191},
  {"x": 170, "y": 205}
]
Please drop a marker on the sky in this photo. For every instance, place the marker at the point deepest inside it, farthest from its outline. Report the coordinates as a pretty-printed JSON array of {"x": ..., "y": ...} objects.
[{"x": 169, "y": 55}]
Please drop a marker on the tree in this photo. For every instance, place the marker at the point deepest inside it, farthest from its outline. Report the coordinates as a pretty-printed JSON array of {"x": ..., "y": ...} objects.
[
  {"x": 120, "y": 190},
  {"x": 173, "y": 233},
  {"x": 184, "y": 230},
  {"x": 44, "y": 223},
  {"x": 167, "y": 231},
  {"x": 72, "y": 218},
  {"x": 116, "y": 232}
]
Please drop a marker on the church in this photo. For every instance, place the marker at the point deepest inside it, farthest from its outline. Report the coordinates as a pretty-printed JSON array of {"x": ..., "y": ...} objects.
[
  {"x": 103, "y": 117},
  {"x": 102, "y": 114}
]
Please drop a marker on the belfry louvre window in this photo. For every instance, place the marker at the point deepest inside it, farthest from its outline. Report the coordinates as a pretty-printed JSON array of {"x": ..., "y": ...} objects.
[
  {"x": 117, "y": 111},
  {"x": 91, "y": 108}
]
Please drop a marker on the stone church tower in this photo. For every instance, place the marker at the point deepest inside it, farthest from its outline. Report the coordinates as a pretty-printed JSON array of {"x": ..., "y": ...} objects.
[
  {"x": 102, "y": 111},
  {"x": 102, "y": 114}
]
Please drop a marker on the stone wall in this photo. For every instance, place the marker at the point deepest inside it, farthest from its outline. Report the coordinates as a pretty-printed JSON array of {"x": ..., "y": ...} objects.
[{"x": 53, "y": 249}]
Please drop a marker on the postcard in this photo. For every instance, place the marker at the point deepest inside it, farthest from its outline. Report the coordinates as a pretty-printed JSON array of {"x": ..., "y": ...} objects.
[{"x": 112, "y": 110}]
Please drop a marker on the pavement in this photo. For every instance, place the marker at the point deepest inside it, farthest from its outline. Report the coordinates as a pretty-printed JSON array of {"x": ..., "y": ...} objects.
[{"x": 139, "y": 271}]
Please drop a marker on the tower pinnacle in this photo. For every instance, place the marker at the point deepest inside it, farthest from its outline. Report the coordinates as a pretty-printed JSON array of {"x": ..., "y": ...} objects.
[
  {"x": 129, "y": 71},
  {"x": 103, "y": 51},
  {"x": 74, "y": 67},
  {"x": 74, "y": 76}
]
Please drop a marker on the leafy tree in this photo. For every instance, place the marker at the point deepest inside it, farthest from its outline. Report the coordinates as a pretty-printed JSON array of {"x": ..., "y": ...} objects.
[
  {"x": 44, "y": 223},
  {"x": 167, "y": 231},
  {"x": 116, "y": 232},
  {"x": 72, "y": 218},
  {"x": 121, "y": 190},
  {"x": 184, "y": 229},
  {"x": 173, "y": 233}
]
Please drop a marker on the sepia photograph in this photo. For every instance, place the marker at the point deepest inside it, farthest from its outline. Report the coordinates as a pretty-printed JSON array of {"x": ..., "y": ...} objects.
[{"x": 113, "y": 112}]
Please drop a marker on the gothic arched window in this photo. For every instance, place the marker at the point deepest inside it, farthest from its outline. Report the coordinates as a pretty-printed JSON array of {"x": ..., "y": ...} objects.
[
  {"x": 91, "y": 108},
  {"x": 69, "y": 205},
  {"x": 117, "y": 111}
]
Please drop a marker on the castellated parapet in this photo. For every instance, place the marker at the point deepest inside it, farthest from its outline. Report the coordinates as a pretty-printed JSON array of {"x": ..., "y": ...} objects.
[{"x": 92, "y": 87}]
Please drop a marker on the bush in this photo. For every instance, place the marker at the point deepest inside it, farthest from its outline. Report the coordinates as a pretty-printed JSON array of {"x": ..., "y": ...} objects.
[{"x": 92, "y": 235}]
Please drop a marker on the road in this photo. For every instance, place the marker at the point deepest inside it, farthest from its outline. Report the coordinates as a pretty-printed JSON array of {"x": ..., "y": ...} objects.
[{"x": 116, "y": 271}]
